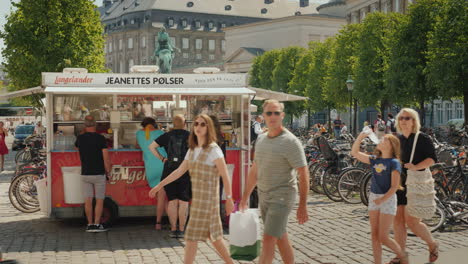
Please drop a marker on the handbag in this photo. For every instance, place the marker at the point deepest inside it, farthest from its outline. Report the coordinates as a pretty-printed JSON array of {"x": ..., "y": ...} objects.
[
  {"x": 420, "y": 190},
  {"x": 244, "y": 235}
]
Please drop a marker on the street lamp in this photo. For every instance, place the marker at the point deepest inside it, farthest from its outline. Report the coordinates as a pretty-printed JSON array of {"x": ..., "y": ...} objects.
[{"x": 349, "y": 84}]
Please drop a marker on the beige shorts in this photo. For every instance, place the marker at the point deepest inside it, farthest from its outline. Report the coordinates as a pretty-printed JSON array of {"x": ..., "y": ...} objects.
[
  {"x": 94, "y": 186},
  {"x": 387, "y": 207}
]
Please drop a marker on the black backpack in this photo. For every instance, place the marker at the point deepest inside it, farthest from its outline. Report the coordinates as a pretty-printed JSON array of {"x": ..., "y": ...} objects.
[
  {"x": 326, "y": 149},
  {"x": 176, "y": 149},
  {"x": 253, "y": 135}
]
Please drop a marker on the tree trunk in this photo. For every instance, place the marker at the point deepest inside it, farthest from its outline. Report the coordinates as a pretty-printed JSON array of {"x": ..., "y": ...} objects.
[
  {"x": 422, "y": 112},
  {"x": 308, "y": 118},
  {"x": 329, "y": 119},
  {"x": 355, "y": 126}
]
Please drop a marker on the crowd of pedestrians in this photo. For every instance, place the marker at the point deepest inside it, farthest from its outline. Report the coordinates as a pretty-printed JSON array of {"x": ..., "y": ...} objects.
[{"x": 183, "y": 166}]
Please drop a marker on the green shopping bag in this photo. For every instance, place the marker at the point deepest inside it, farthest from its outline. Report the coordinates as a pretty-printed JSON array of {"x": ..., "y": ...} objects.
[{"x": 244, "y": 235}]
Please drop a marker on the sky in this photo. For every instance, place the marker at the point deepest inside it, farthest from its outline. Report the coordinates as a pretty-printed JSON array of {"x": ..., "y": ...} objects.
[{"x": 5, "y": 7}]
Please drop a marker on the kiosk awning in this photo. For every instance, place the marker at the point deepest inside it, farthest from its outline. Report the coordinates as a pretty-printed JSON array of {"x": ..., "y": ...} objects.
[
  {"x": 148, "y": 91},
  {"x": 23, "y": 92},
  {"x": 263, "y": 94}
]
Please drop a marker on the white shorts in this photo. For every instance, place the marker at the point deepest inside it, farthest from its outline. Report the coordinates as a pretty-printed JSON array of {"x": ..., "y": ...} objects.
[{"x": 387, "y": 207}]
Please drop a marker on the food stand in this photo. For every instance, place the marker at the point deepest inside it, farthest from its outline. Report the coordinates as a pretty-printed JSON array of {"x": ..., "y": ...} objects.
[{"x": 119, "y": 102}]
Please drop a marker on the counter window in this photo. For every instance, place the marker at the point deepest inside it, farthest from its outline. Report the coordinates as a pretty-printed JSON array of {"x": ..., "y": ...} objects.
[{"x": 76, "y": 107}]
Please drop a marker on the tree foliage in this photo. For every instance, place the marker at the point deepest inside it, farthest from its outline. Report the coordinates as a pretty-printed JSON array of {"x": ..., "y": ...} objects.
[
  {"x": 448, "y": 52},
  {"x": 48, "y": 35},
  {"x": 373, "y": 57},
  {"x": 342, "y": 63}
]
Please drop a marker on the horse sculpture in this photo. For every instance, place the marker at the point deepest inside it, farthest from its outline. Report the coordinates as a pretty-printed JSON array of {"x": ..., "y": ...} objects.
[{"x": 164, "y": 52}]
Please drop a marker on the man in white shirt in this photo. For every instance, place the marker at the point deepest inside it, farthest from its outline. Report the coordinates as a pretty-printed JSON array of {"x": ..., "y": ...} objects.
[
  {"x": 344, "y": 129},
  {"x": 256, "y": 128}
]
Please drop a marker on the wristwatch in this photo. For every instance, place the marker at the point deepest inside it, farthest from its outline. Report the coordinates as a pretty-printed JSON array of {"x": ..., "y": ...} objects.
[{"x": 228, "y": 197}]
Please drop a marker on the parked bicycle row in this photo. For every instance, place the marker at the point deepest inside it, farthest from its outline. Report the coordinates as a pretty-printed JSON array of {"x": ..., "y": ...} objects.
[
  {"x": 30, "y": 168},
  {"x": 339, "y": 176}
]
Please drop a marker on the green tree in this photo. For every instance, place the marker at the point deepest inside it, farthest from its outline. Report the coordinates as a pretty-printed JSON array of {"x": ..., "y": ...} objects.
[
  {"x": 373, "y": 57},
  {"x": 267, "y": 62},
  {"x": 282, "y": 75},
  {"x": 406, "y": 75},
  {"x": 254, "y": 78},
  {"x": 342, "y": 63},
  {"x": 448, "y": 52},
  {"x": 48, "y": 35}
]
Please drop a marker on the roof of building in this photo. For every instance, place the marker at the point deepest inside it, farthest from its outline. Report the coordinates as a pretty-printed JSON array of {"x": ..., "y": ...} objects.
[
  {"x": 332, "y": 3},
  {"x": 244, "y": 8}
]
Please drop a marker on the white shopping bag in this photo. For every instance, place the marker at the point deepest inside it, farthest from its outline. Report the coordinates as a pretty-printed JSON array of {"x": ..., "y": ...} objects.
[{"x": 244, "y": 235}]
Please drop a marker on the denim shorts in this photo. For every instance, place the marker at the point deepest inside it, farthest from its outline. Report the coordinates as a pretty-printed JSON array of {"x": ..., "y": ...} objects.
[{"x": 387, "y": 207}]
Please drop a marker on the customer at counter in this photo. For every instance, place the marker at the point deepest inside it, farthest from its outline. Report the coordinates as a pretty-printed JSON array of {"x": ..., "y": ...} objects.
[
  {"x": 95, "y": 164},
  {"x": 153, "y": 165},
  {"x": 175, "y": 142}
]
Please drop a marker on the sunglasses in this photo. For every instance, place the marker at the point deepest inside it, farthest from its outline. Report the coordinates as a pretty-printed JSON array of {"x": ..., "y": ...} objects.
[
  {"x": 406, "y": 118},
  {"x": 271, "y": 113},
  {"x": 202, "y": 124}
]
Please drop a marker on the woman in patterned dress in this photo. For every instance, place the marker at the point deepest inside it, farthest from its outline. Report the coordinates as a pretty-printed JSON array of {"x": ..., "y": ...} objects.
[{"x": 205, "y": 162}]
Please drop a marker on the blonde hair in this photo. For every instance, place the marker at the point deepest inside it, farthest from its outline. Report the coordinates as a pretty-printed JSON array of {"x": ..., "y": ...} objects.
[
  {"x": 211, "y": 136},
  {"x": 413, "y": 114},
  {"x": 395, "y": 142},
  {"x": 273, "y": 101}
]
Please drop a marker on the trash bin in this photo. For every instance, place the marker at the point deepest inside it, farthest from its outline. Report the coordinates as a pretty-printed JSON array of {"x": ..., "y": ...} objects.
[
  {"x": 41, "y": 187},
  {"x": 72, "y": 185}
]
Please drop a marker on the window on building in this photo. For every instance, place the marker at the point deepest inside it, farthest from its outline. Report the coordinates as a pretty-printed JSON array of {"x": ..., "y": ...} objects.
[
  {"x": 170, "y": 22},
  {"x": 130, "y": 43},
  {"x": 304, "y": 3},
  {"x": 143, "y": 62},
  {"x": 223, "y": 45},
  {"x": 185, "y": 55},
  {"x": 448, "y": 110},
  {"x": 210, "y": 25},
  {"x": 185, "y": 43},
  {"x": 120, "y": 44},
  {"x": 264, "y": 11},
  {"x": 130, "y": 64},
  {"x": 228, "y": 7},
  {"x": 197, "y": 24},
  {"x": 354, "y": 17},
  {"x": 363, "y": 15},
  {"x": 212, "y": 56},
  {"x": 143, "y": 41},
  {"x": 184, "y": 23},
  {"x": 132, "y": 21},
  {"x": 458, "y": 110},
  {"x": 173, "y": 41},
  {"x": 268, "y": 1},
  {"x": 211, "y": 44},
  {"x": 385, "y": 7},
  {"x": 223, "y": 25},
  {"x": 105, "y": 49},
  {"x": 198, "y": 56},
  {"x": 121, "y": 67},
  {"x": 110, "y": 47},
  {"x": 373, "y": 8},
  {"x": 190, "y": 4},
  {"x": 198, "y": 44},
  {"x": 439, "y": 113}
]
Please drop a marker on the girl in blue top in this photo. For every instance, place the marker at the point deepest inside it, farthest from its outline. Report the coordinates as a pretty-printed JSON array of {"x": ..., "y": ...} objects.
[
  {"x": 153, "y": 166},
  {"x": 386, "y": 170}
]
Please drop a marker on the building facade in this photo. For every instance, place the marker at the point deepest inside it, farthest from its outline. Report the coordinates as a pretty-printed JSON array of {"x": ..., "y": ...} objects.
[
  {"x": 357, "y": 10},
  {"x": 245, "y": 42},
  {"x": 196, "y": 28}
]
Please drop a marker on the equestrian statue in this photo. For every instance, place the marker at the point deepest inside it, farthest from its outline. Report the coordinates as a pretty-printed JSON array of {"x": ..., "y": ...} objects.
[{"x": 164, "y": 52}]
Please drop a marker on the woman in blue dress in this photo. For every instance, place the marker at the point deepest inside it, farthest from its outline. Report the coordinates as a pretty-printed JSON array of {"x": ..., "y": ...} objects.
[{"x": 153, "y": 166}]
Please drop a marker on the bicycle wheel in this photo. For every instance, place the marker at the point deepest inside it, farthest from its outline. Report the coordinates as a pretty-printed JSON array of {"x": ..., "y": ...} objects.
[
  {"x": 435, "y": 222},
  {"x": 23, "y": 194},
  {"x": 460, "y": 190},
  {"x": 349, "y": 185},
  {"x": 316, "y": 177},
  {"x": 330, "y": 183},
  {"x": 365, "y": 188}
]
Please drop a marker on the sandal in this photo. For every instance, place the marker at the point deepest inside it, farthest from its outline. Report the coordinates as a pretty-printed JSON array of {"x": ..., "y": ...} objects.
[
  {"x": 434, "y": 253},
  {"x": 158, "y": 226},
  {"x": 404, "y": 259},
  {"x": 395, "y": 260}
]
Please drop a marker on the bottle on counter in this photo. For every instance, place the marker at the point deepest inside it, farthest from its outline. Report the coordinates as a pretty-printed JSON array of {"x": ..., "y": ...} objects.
[{"x": 233, "y": 139}]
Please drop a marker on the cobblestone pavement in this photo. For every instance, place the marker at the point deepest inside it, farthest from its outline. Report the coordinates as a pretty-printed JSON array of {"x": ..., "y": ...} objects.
[{"x": 335, "y": 233}]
